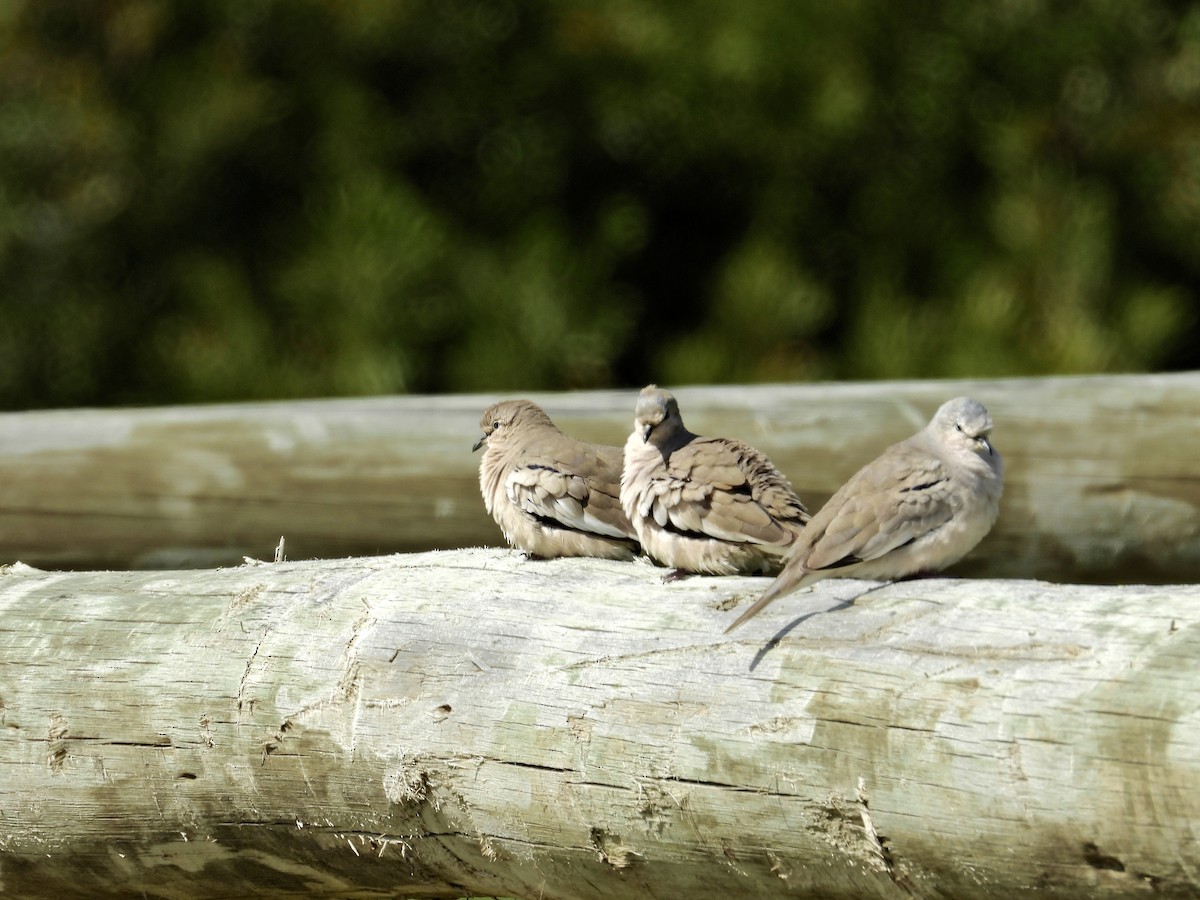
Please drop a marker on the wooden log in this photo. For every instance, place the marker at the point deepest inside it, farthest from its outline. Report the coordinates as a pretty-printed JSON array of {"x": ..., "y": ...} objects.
[
  {"x": 469, "y": 722},
  {"x": 1103, "y": 483}
]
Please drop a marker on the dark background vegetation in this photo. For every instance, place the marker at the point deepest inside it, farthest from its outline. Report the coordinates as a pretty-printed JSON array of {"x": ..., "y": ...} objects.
[{"x": 226, "y": 200}]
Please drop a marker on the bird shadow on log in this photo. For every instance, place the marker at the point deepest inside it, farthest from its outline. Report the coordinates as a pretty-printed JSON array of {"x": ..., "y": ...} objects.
[{"x": 795, "y": 623}]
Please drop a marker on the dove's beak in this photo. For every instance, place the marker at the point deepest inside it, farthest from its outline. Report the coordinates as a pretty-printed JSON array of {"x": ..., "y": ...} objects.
[
  {"x": 645, "y": 428},
  {"x": 479, "y": 443},
  {"x": 987, "y": 444}
]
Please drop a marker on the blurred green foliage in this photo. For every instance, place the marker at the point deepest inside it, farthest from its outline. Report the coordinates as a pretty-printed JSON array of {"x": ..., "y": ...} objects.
[{"x": 205, "y": 200}]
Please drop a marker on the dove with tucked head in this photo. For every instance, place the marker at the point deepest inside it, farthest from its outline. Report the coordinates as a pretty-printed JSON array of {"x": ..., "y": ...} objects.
[
  {"x": 551, "y": 495},
  {"x": 921, "y": 506},
  {"x": 700, "y": 504}
]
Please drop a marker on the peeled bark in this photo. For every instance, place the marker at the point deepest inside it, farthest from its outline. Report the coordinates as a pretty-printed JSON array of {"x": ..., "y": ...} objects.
[{"x": 469, "y": 722}]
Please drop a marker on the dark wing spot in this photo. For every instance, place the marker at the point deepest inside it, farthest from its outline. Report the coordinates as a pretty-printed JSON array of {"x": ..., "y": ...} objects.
[
  {"x": 922, "y": 487},
  {"x": 683, "y": 532},
  {"x": 844, "y": 561}
]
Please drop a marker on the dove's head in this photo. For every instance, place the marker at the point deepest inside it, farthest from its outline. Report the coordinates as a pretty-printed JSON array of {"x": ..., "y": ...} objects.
[
  {"x": 656, "y": 418},
  {"x": 963, "y": 423},
  {"x": 499, "y": 419}
]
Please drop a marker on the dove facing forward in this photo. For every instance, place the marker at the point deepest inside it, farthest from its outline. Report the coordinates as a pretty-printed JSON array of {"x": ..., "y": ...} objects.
[
  {"x": 551, "y": 495},
  {"x": 922, "y": 505},
  {"x": 700, "y": 504}
]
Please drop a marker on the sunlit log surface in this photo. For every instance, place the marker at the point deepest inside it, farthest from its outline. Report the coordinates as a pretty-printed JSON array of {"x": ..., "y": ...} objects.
[
  {"x": 1103, "y": 477},
  {"x": 472, "y": 723}
]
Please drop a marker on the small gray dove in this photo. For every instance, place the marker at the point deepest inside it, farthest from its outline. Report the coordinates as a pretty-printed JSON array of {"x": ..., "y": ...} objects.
[
  {"x": 698, "y": 504},
  {"x": 922, "y": 505},
  {"x": 551, "y": 495}
]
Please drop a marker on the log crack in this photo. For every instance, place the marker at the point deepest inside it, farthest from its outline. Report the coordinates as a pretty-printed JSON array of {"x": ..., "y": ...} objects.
[
  {"x": 56, "y": 742},
  {"x": 611, "y": 849},
  {"x": 877, "y": 842}
]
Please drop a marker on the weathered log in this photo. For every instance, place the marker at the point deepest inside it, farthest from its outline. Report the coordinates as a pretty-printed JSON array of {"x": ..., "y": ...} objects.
[
  {"x": 1103, "y": 483},
  {"x": 470, "y": 722}
]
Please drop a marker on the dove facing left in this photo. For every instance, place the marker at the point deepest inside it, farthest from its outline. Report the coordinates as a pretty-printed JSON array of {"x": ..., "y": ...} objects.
[{"x": 551, "y": 494}]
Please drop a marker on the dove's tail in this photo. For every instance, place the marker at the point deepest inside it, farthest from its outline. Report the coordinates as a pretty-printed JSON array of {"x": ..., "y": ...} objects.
[{"x": 784, "y": 583}]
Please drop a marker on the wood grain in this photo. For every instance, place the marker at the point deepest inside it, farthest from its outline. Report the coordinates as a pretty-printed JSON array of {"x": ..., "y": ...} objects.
[{"x": 468, "y": 722}]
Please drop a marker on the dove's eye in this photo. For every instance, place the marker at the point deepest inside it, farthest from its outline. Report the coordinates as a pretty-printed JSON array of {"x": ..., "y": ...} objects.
[
  {"x": 958, "y": 428},
  {"x": 496, "y": 425}
]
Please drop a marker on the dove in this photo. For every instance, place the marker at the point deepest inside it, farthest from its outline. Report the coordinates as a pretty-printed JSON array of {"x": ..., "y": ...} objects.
[
  {"x": 701, "y": 504},
  {"x": 919, "y": 507},
  {"x": 551, "y": 495}
]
